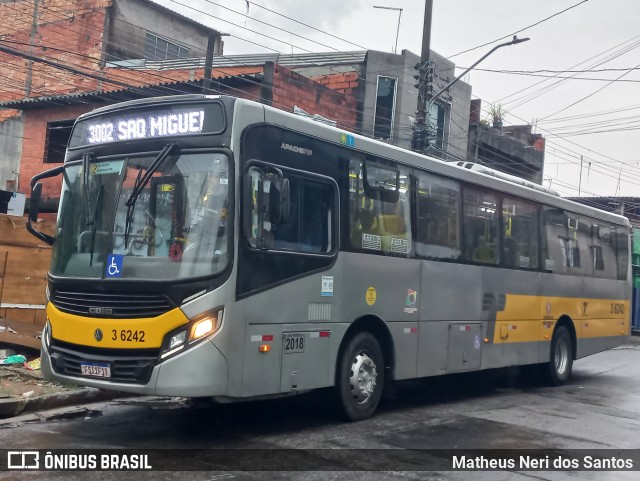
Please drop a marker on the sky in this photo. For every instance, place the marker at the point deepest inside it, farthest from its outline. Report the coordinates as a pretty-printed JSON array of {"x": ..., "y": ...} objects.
[{"x": 590, "y": 120}]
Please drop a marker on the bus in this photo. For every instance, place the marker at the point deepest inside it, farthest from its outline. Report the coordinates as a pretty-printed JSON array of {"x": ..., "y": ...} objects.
[{"x": 215, "y": 247}]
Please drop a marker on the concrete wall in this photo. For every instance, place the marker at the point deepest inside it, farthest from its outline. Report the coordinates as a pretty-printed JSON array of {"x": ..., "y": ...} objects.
[
  {"x": 11, "y": 133},
  {"x": 500, "y": 149},
  {"x": 131, "y": 19},
  {"x": 402, "y": 67}
]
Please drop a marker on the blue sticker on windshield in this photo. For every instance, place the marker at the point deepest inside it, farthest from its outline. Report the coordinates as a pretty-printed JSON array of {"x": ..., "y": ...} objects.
[{"x": 114, "y": 265}]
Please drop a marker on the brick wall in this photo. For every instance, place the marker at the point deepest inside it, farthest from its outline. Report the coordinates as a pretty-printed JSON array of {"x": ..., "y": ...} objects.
[
  {"x": 34, "y": 144},
  {"x": 332, "y": 97},
  {"x": 66, "y": 31},
  {"x": 286, "y": 89}
]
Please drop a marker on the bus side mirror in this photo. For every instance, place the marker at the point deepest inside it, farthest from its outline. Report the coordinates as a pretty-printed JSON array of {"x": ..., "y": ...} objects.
[
  {"x": 267, "y": 203},
  {"x": 34, "y": 206},
  {"x": 34, "y": 202}
]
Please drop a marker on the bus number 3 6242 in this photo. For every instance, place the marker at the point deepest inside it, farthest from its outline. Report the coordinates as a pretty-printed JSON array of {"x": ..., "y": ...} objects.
[{"x": 127, "y": 335}]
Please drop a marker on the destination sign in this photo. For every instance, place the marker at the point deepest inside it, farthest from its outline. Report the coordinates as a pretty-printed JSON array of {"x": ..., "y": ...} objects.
[
  {"x": 148, "y": 124},
  {"x": 144, "y": 127}
]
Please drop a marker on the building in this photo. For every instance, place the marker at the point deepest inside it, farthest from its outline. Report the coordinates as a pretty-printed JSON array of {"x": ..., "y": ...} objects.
[
  {"x": 388, "y": 96},
  {"x": 382, "y": 84},
  {"x": 60, "y": 47},
  {"x": 61, "y": 58},
  {"x": 514, "y": 149},
  {"x": 271, "y": 83}
]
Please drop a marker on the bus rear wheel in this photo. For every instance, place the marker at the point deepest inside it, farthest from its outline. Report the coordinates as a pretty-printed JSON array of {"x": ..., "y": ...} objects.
[
  {"x": 558, "y": 370},
  {"x": 360, "y": 377}
]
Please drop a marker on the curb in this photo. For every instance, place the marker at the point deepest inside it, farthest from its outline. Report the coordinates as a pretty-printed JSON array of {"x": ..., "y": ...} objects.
[
  {"x": 83, "y": 395},
  {"x": 11, "y": 407}
]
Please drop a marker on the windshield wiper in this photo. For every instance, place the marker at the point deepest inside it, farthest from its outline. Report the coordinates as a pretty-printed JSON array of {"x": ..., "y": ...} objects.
[
  {"x": 86, "y": 162},
  {"x": 141, "y": 183},
  {"x": 94, "y": 227}
]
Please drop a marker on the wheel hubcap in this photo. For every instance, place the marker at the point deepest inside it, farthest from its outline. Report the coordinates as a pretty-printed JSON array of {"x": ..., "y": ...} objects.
[{"x": 362, "y": 378}]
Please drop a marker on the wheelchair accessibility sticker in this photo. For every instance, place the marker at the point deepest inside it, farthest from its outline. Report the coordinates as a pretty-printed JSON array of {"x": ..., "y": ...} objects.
[{"x": 114, "y": 265}]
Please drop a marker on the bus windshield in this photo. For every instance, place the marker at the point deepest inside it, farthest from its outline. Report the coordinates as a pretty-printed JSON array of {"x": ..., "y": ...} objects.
[{"x": 174, "y": 227}]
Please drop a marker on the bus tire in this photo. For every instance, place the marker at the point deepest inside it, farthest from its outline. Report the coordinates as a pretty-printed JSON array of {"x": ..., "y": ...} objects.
[
  {"x": 558, "y": 370},
  {"x": 360, "y": 377}
]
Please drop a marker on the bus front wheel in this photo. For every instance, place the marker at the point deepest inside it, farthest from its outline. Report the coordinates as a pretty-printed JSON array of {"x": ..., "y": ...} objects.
[
  {"x": 360, "y": 378},
  {"x": 558, "y": 370}
]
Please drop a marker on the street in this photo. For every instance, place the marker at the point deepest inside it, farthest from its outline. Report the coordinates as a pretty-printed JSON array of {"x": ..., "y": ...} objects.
[{"x": 598, "y": 409}]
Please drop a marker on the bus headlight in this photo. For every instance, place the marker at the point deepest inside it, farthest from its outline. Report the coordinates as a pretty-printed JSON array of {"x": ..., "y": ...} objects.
[
  {"x": 174, "y": 344},
  {"x": 205, "y": 324},
  {"x": 198, "y": 329},
  {"x": 177, "y": 340}
]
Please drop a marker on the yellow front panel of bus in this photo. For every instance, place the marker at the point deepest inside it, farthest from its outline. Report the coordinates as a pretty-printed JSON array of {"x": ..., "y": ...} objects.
[
  {"x": 143, "y": 333},
  {"x": 531, "y": 318}
]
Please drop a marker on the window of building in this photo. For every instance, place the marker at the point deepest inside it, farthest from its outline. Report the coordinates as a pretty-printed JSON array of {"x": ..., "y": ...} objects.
[
  {"x": 58, "y": 134},
  {"x": 385, "y": 107},
  {"x": 158, "y": 48},
  {"x": 436, "y": 127}
]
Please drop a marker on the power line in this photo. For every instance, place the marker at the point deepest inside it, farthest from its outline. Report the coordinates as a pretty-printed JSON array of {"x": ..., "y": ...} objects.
[{"x": 521, "y": 30}]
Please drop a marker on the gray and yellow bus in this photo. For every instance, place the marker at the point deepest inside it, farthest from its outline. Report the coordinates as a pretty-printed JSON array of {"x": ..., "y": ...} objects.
[{"x": 209, "y": 246}]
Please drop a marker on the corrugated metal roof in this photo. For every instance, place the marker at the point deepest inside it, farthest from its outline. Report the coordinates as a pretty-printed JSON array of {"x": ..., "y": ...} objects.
[
  {"x": 286, "y": 60},
  {"x": 83, "y": 98}
]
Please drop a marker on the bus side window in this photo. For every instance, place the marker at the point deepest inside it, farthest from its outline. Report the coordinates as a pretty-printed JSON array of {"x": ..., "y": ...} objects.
[
  {"x": 579, "y": 241},
  {"x": 438, "y": 215},
  {"x": 554, "y": 235},
  {"x": 379, "y": 217},
  {"x": 480, "y": 226},
  {"x": 520, "y": 233},
  {"x": 620, "y": 239},
  {"x": 309, "y": 224}
]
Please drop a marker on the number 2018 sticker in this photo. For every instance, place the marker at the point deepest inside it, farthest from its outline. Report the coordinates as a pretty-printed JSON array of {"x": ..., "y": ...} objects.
[{"x": 294, "y": 343}]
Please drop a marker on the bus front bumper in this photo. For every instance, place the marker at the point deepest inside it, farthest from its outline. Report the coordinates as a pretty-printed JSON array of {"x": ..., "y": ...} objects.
[{"x": 201, "y": 371}]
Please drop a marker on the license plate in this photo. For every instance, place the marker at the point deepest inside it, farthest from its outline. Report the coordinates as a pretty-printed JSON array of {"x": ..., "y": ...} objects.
[
  {"x": 294, "y": 343},
  {"x": 95, "y": 369}
]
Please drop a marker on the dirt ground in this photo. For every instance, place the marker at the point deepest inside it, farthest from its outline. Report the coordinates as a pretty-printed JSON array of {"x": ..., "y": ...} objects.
[{"x": 16, "y": 381}]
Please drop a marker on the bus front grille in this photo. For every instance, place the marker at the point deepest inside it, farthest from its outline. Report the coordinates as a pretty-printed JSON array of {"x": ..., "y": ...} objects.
[
  {"x": 126, "y": 366},
  {"x": 118, "y": 305}
]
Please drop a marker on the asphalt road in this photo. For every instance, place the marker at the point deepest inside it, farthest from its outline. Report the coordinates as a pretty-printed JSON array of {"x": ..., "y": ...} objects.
[{"x": 499, "y": 410}]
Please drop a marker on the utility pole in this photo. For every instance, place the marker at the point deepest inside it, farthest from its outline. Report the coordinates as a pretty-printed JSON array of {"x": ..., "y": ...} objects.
[
  {"x": 419, "y": 138},
  {"x": 432, "y": 98},
  {"x": 32, "y": 39},
  {"x": 208, "y": 64}
]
